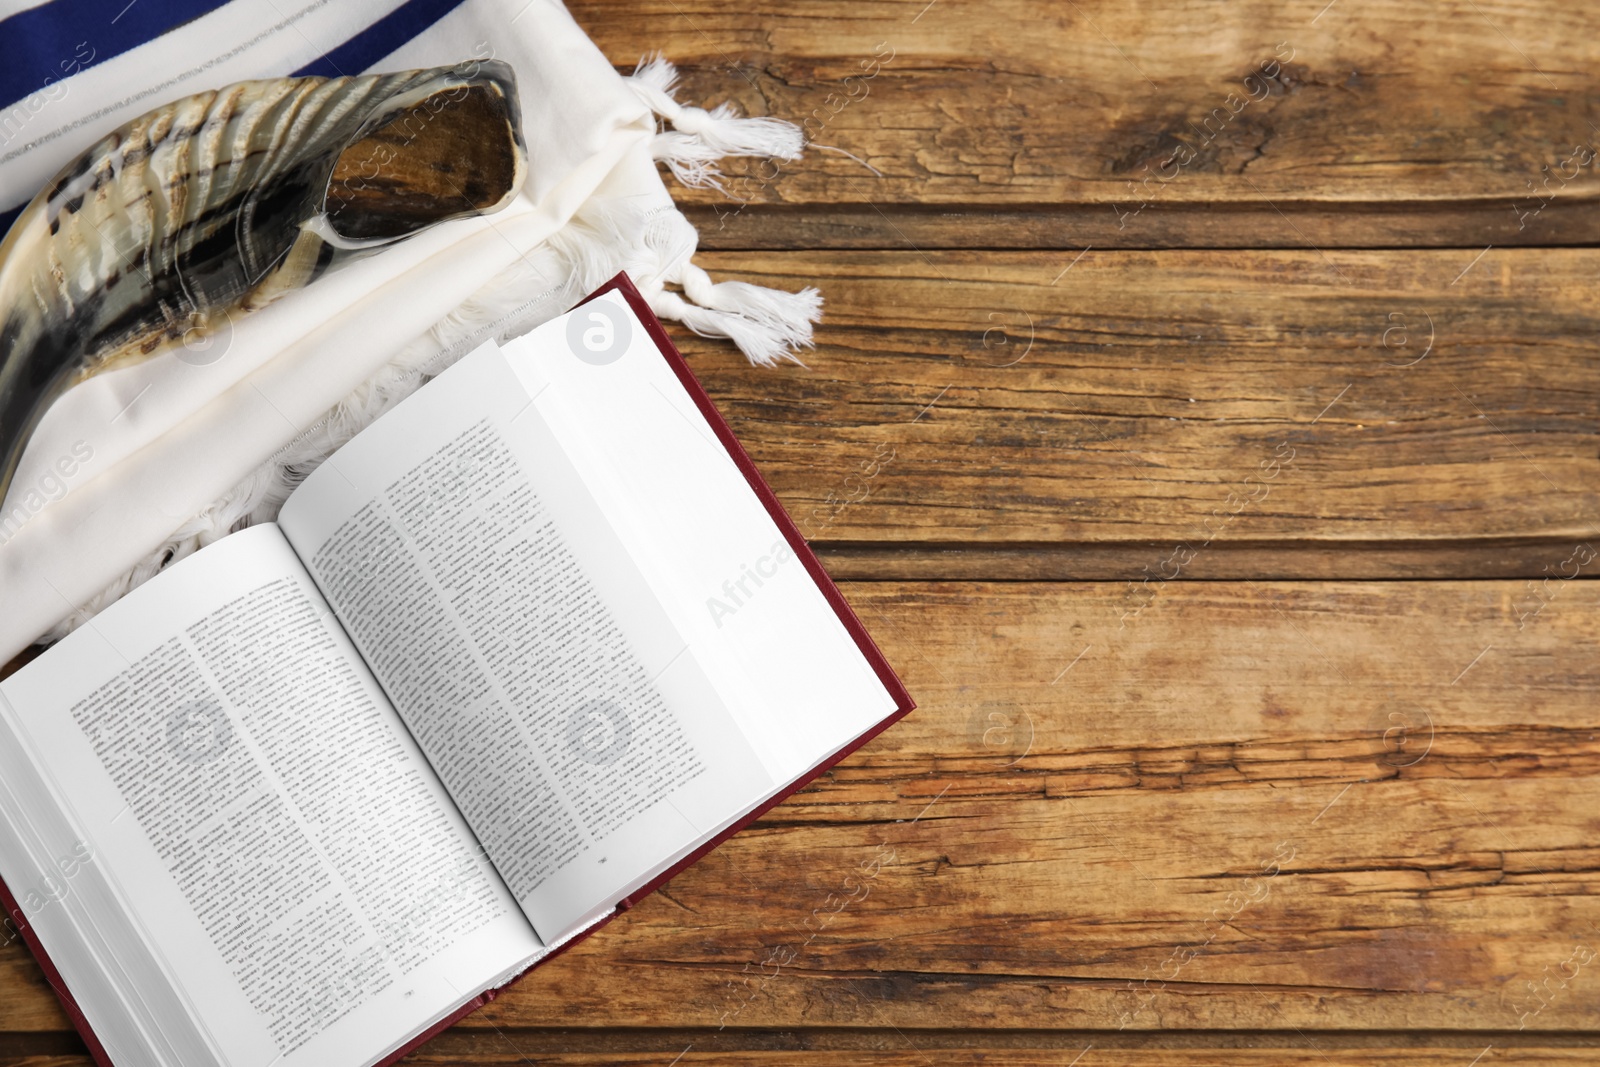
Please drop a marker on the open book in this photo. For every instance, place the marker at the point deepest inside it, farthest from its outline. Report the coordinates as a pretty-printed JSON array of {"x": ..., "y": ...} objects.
[{"x": 531, "y": 642}]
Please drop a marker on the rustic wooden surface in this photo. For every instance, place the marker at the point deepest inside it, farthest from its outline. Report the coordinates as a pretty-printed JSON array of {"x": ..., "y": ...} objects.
[{"x": 1234, "y": 532}]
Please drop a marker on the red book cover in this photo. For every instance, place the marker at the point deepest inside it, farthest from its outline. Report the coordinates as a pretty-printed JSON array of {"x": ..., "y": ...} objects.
[{"x": 802, "y": 551}]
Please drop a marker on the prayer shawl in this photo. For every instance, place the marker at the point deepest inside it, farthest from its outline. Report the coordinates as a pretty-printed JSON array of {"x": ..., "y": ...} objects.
[{"x": 139, "y": 467}]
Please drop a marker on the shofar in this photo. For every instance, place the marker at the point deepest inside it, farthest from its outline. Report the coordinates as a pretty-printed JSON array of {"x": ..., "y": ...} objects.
[{"x": 218, "y": 203}]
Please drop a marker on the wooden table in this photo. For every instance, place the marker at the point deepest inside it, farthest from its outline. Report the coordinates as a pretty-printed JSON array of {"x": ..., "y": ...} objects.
[{"x": 1204, "y": 421}]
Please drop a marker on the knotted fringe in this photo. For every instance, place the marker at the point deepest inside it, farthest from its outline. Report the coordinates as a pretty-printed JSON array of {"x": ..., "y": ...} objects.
[
  {"x": 767, "y": 325},
  {"x": 699, "y": 137},
  {"x": 653, "y": 246}
]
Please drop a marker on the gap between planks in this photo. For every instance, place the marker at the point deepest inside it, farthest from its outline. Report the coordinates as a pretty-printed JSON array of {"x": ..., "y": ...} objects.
[
  {"x": 1372, "y": 226},
  {"x": 472, "y": 1041},
  {"x": 1308, "y": 561}
]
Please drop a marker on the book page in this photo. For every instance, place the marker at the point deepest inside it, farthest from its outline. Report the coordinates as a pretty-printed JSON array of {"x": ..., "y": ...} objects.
[
  {"x": 790, "y": 673},
  {"x": 573, "y": 726},
  {"x": 279, "y": 850}
]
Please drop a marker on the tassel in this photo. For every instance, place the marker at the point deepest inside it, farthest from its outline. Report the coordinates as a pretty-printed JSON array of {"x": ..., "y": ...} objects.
[
  {"x": 699, "y": 137},
  {"x": 767, "y": 324}
]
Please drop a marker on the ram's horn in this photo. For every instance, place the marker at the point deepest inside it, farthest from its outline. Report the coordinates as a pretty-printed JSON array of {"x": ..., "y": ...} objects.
[{"x": 218, "y": 203}]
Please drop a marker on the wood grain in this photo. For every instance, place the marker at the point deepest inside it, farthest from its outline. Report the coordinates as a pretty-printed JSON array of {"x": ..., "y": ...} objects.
[
  {"x": 1084, "y": 793},
  {"x": 1010, "y": 106},
  {"x": 986, "y": 399},
  {"x": 1428, "y": 764}
]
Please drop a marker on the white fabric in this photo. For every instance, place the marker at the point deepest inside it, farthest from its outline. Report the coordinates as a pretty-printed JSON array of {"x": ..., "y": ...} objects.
[{"x": 181, "y": 453}]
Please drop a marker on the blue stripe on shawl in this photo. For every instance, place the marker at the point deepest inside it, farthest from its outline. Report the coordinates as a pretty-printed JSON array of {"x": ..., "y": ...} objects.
[
  {"x": 404, "y": 23},
  {"x": 44, "y": 44}
]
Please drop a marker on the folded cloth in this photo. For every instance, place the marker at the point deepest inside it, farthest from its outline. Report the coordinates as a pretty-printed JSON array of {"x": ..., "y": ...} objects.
[{"x": 139, "y": 467}]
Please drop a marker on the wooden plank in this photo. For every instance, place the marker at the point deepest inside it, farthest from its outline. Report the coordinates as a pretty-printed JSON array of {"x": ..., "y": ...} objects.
[
  {"x": 1177, "y": 103},
  {"x": 27, "y": 1002},
  {"x": 1087, "y": 802},
  {"x": 1159, "y": 399},
  {"x": 1277, "y": 806}
]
